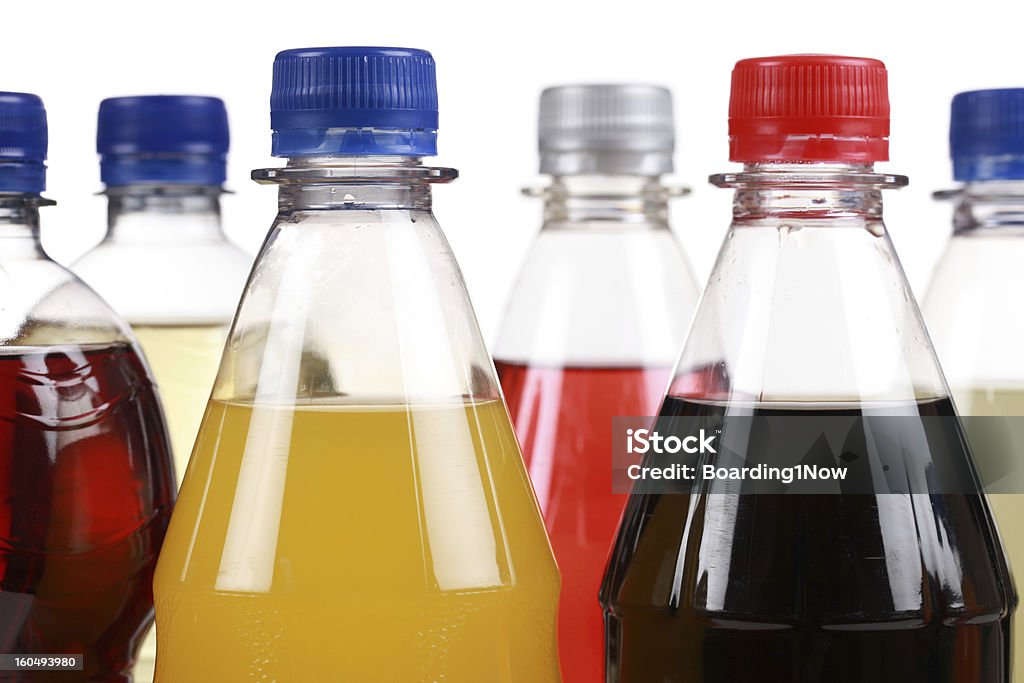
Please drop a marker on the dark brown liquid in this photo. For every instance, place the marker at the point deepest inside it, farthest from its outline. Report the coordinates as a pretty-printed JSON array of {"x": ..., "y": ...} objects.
[
  {"x": 809, "y": 588},
  {"x": 86, "y": 489}
]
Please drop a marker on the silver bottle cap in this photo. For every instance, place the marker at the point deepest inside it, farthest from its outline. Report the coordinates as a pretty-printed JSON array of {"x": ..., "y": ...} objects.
[{"x": 606, "y": 130}]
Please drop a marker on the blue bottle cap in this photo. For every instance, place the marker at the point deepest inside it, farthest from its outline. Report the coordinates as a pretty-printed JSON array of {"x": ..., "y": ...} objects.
[
  {"x": 359, "y": 101},
  {"x": 22, "y": 143},
  {"x": 986, "y": 135},
  {"x": 162, "y": 139}
]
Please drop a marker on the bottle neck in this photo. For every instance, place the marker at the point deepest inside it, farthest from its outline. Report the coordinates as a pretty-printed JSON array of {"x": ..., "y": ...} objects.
[
  {"x": 814, "y": 192},
  {"x": 807, "y": 301},
  {"x": 354, "y": 183},
  {"x": 605, "y": 201},
  {"x": 164, "y": 213},
  {"x": 19, "y": 226},
  {"x": 989, "y": 205}
]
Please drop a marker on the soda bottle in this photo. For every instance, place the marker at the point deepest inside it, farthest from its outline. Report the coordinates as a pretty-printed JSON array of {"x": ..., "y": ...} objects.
[
  {"x": 978, "y": 342},
  {"x": 356, "y": 506},
  {"x": 86, "y": 477},
  {"x": 808, "y": 333},
  {"x": 165, "y": 264},
  {"x": 593, "y": 326}
]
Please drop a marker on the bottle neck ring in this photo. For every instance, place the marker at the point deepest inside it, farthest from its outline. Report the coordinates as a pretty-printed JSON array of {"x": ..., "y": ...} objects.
[
  {"x": 164, "y": 199},
  {"x": 987, "y": 205},
  {"x": 362, "y": 183},
  {"x": 816, "y": 191},
  {"x": 164, "y": 212},
  {"x": 19, "y": 223},
  {"x": 606, "y": 200},
  {"x": 811, "y": 175}
]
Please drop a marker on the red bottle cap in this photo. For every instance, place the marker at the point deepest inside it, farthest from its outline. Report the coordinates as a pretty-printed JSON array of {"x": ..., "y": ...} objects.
[{"x": 809, "y": 108}]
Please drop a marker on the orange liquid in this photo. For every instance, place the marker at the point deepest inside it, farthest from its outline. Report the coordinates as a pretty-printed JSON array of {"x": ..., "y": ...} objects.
[{"x": 326, "y": 542}]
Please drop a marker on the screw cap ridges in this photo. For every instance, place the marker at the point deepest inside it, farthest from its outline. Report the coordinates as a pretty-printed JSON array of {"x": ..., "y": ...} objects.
[
  {"x": 385, "y": 96},
  {"x": 23, "y": 140},
  {"x": 986, "y": 135},
  {"x": 809, "y": 108}
]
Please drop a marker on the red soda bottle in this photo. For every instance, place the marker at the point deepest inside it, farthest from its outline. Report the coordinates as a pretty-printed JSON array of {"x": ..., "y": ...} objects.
[{"x": 593, "y": 326}]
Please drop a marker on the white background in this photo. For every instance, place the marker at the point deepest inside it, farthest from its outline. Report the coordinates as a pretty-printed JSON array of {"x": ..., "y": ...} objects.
[{"x": 493, "y": 59}]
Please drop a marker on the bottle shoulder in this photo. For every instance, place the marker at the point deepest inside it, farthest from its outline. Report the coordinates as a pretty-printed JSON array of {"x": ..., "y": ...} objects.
[
  {"x": 610, "y": 297},
  {"x": 46, "y": 304},
  {"x": 194, "y": 284},
  {"x": 969, "y": 309},
  {"x": 168, "y": 262}
]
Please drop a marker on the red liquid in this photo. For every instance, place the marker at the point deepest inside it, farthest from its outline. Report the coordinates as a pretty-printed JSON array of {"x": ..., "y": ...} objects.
[
  {"x": 563, "y": 418},
  {"x": 86, "y": 490}
]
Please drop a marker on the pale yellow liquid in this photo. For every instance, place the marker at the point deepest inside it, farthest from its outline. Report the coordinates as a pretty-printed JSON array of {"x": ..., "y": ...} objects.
[
  {"x": 1008, "y": 508},
  {"x": 184, "y": 362},
  {"x": 356, "y": 543}
]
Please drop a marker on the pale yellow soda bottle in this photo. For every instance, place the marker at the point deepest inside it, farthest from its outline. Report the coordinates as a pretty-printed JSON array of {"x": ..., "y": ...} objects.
[
  {"x": 165, "y": 263},
  {"x": 973, "y": 301},
  {"x": 356, "y": 507}
]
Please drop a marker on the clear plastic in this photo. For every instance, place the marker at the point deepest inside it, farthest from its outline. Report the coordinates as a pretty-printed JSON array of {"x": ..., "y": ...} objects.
[
  {"x": 356, "y": 490},
  {"x": 86, "y": 477},
  {"x": 808, "y": 314},
  {"x": 592, "y": 329},
  {"x": 167, "y": 267},
  {"x": 606, "y": 283},
  {"x": 980, "y": 339},
  {"x": 44, "y": 304},
  {"x": 807, "y": 298},
  {"x": 978, "y": 342}
]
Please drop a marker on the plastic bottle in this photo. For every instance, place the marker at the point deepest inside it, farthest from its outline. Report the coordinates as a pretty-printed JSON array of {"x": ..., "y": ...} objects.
[
  {"x": 356, "y": 505},
  {"x": 978, "y": 341},
  {"x": 808, "y": 333},
  {"x": 593, "y": 327},
  {"x": 165, "y": 264},
  {"x": 86, "y": 477}
]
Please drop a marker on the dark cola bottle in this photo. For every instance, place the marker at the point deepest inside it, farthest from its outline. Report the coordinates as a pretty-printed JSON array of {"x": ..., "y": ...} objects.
[{"x": 808, "y": 350}]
